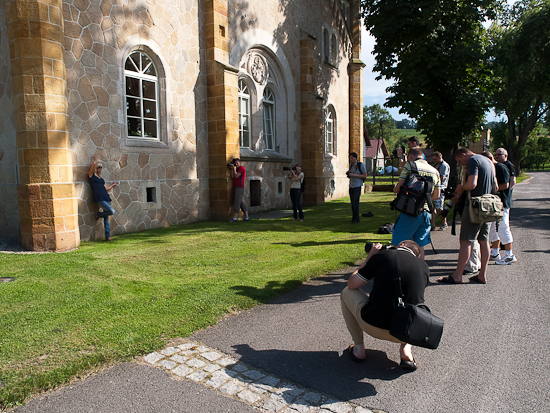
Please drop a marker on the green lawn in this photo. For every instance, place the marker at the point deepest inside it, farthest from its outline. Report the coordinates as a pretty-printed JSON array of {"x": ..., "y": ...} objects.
[{"x": 68, "y": 313}]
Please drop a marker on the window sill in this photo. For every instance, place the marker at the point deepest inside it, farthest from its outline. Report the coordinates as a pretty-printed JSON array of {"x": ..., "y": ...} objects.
[{"x": 264, "y": 156}]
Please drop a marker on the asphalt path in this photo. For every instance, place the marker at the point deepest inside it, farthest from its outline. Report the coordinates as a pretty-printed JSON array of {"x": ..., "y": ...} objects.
[
  {"x": 493, "y": 355},
  {"x": 494, "y": 352}
]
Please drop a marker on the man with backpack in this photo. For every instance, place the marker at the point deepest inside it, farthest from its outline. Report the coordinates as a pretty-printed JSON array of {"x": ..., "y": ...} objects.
[
  {"x": 416, "y": 223},
  {"x": 356, "y": 174}
]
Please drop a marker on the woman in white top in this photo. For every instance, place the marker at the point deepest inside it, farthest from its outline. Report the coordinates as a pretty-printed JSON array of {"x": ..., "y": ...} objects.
[{"x": 296, "y": 176}]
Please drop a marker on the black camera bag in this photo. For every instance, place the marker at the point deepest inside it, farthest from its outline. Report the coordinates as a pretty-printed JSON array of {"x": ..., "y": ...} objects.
[{"x": 413, "y": 323}]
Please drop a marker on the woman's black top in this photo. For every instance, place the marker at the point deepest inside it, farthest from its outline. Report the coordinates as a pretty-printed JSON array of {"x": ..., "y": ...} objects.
[{"x": 414, "y": 274}]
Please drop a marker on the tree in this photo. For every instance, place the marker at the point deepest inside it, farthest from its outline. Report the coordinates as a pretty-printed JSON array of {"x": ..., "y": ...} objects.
[
  {"x": 434, "y": 52},
  {"x": 520, "y": 60},
  {"x": 405, "y": 124},
  {"x": 379, "y": 123}
]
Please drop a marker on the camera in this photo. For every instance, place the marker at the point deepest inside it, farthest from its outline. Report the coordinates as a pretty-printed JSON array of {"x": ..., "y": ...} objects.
[
  {"x": 347, "y": 174},
  {"x": 229, "y": 165},
  {"x": 394, "y": 153},
  {"x": 368, "y": 247},
  {"x": 449, "y": 193},
  {"x": 446, "y": 209},
  {"x": 288, "y": 168}
]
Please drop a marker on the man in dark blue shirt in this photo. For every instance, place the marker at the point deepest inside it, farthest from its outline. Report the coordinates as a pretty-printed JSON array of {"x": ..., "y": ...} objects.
[{"x": 100, "y": 195}]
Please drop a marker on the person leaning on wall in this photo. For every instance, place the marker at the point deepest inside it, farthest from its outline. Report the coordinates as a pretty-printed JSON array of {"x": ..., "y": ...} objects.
[{"x": 100, "y": 195}]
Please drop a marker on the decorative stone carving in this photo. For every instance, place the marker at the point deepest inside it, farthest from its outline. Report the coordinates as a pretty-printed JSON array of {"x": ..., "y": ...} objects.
[{"x": 257, "y": 67}]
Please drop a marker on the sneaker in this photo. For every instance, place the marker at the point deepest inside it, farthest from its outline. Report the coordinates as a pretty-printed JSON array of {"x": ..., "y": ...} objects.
[
  {"x": 495, "y": 257},
  {"x": 507, "y": 259},
  {"x": 443, "y": 227}
]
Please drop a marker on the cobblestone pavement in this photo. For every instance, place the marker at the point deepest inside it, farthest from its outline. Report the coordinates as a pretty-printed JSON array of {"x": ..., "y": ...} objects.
[{"x": 232, "y": 378}]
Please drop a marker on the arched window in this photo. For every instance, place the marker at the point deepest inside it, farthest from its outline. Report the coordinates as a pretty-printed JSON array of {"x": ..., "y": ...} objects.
[
  {"x": 244, "y": 115},
  {"x": 334, "y": 49},
  {"x": 268, "y": 103},
  {"x": 142, "y": 97},
  {"x": 330, "y": 131},
  {"x": 326, "y": 45}
]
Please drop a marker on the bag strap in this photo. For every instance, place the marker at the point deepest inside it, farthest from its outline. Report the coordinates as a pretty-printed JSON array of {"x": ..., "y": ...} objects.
[{"x": 395, "y": 276}]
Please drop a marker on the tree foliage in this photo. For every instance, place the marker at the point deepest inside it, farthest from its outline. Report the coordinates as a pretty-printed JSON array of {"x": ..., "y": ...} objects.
[
  {"x": 520, "y": 61},
  {"x": 434, "y": 52},
  {"x": 405, "y": 124},
  {"x": 379, "y": 123}
]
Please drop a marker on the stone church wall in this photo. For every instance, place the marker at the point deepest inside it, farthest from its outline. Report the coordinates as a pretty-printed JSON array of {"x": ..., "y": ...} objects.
[
  {"x": 9, "y": 214},
  {"x": 99, "y": 36}
]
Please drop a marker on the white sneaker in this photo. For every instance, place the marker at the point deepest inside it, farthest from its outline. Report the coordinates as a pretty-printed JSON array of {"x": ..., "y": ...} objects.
[
  {"x": 495, "y": 257},
  {"x": 507, "y": 259}
]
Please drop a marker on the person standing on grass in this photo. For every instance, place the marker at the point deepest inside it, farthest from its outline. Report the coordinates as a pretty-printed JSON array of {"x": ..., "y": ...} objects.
[
  {"x": 356, "y": 174},
  {"x": 238, "y": 173},
  {"x": 100, "y": 195},
  {"x": 296, "y": 179},
  {"x": 444, "y": 171}
]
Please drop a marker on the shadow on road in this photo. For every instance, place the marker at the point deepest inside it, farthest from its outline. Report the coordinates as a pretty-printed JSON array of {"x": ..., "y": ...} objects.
[{"x": 326, "y": 371}]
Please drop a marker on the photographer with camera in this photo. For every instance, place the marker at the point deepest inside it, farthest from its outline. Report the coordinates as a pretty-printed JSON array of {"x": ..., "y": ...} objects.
[
  {"x": 238, "y": 173},
  {"x": 357, "y": 173},
  {"x": 412, "y": 142},
  {"x": 372, "y": 313},
  {"x": 444, "y": 170},
  {"x": 296, "y": 176},
  {"x": 416, "y": 228},
  {"x": 480, "y": 180}
]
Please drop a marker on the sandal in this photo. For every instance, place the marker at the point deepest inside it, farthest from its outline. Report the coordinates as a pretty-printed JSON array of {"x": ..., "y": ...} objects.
[
  {"x": 476, "y": 279},
  {"x": 448, "y": 280}
]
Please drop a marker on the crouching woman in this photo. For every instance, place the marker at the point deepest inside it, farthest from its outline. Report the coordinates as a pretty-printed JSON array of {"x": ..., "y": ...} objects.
[{"x": 372, "y": 313}]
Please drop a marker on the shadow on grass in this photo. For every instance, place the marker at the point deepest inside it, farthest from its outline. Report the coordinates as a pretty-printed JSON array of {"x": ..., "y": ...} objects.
[{"x": 334, "y": 216}]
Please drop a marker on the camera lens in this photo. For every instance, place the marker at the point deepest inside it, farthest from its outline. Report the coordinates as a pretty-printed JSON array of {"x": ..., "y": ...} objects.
[{"x": 368, "y": 247}]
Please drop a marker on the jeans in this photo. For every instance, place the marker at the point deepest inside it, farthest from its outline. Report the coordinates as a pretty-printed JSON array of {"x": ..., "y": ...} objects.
[
  {"x": 296, "y": 198},
  {"x": 108, "y": 210},
  {"x": 354, "y": 195}
]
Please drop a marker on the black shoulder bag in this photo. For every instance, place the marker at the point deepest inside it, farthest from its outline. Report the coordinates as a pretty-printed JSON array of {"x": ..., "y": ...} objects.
[{"x": 413, "y": 323}]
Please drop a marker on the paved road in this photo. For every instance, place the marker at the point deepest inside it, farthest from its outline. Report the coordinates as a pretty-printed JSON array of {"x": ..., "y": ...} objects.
[{"x": 493, "y": 356}]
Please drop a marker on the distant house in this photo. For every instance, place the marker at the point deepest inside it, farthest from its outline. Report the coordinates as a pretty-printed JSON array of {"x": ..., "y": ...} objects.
[{"x": 375, "y": 154}]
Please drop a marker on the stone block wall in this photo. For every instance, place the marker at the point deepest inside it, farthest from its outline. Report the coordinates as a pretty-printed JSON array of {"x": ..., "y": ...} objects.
[
  {"x": 9, "y": 214},
  {"x": 200, "y": 49},
  {"x": 98, "y": 38},
  {"x": 330, "y": 83}
]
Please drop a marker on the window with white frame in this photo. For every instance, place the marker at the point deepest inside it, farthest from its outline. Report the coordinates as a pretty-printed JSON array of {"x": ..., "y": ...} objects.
[
  {"x": 244, "y": 114},
  {"x": 142, "y": 97},
  {"x": 268, "y": 103},
  {"x": 330, "y": 131}
]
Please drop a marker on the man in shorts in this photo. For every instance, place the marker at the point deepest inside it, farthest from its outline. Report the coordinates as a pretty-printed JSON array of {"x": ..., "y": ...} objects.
[
  {"x": 416, "y": 228},
  {"x": 480, "y": 180},
  {"x": 444, "y": 171}
]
